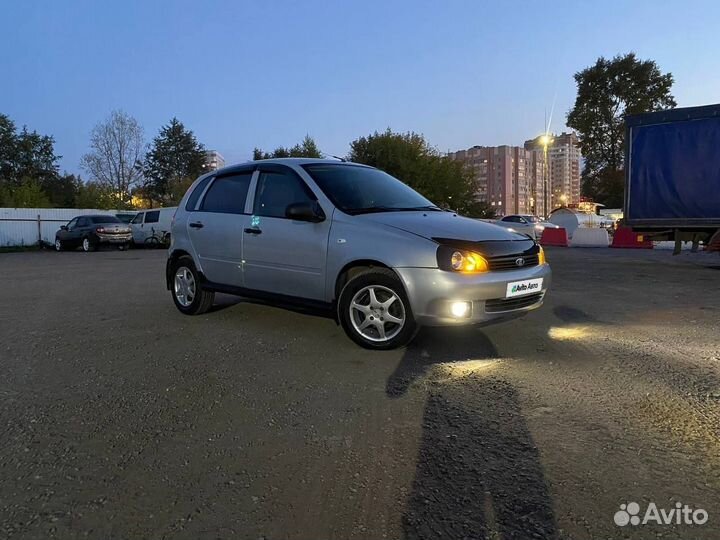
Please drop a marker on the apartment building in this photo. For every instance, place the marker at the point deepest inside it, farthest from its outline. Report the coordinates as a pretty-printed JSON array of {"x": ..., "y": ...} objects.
[
  {"x": 214, "y": 160},
  {"x": 563, "y": 168},
  {"x": 506, "y": 177}
]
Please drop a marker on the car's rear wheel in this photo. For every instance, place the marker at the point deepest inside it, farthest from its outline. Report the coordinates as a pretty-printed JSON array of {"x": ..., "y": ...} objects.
[
  {"x": 58, "y": 245},
  {"x": 375, "y": 312},
  {"x": 189, "y": 297},
  {"x": 87, "y": 244}
]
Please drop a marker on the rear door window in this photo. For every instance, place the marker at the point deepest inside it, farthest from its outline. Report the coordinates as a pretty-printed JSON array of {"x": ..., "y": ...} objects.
[{"x": 227, "y": 194}]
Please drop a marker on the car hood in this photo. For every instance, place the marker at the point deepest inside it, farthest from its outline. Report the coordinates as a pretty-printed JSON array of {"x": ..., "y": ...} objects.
[{"x": 432, "y": 225}]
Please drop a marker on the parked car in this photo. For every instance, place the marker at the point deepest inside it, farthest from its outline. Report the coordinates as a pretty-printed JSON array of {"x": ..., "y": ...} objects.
[
  {"x": 525, "y": 224},
  {"x": 350, "y": 239},
  {"x": 89, "y": 232},
  {"x": 126, "y": 217},
  {"x": 152, "y": 227}
]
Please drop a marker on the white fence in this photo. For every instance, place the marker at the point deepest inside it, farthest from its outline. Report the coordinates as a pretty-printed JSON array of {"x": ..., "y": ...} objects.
[{"x": 33, "y": 226}]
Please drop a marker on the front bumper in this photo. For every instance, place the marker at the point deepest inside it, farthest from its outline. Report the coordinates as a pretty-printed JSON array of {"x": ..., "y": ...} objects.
[{"x": 431, "y": 291}]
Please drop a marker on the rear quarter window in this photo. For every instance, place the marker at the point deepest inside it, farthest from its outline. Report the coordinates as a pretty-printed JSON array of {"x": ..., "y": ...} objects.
[{"x": 195, "y": 195}]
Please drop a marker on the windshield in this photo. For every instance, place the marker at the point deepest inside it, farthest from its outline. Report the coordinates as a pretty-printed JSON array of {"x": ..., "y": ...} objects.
[
  {"x": 355, "y": 189},
  {"x": 126, "y": 218},
  {"x": 532, "y": 219}
]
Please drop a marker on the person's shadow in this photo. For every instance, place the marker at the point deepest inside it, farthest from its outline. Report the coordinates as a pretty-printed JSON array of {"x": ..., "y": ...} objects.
[{"x": 478, "y": 472}]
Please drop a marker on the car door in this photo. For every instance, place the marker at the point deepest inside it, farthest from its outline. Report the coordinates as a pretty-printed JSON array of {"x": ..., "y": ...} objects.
[
  {"x": 150, "y": 229},
  {"x": 215, "y": 227},
  {"x": 283, "y": 255},
  {"x": 137, "y": 228},
  {"x": 67, "y": 236},
  {"x": 81, "y": 230}
]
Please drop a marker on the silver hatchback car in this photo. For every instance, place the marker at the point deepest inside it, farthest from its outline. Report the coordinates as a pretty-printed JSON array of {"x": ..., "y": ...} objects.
[{"x": 349, "y": 239}]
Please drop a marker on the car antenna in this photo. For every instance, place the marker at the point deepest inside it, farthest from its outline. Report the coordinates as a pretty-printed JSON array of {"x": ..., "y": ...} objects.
[{"x": 336, "y": 157}]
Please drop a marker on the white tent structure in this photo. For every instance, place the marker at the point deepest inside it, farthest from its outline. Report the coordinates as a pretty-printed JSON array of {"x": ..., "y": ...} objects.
[{"x": 571, "y": 218}]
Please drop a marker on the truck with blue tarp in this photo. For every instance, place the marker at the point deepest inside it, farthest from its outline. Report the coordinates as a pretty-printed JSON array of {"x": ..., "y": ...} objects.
[{"x": 672, "y": 174}]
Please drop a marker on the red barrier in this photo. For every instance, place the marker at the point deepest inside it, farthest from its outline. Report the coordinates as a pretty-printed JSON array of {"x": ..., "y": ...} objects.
[
  {"x": 554, "y": 237},
  {"x": 624, "y": 237}
]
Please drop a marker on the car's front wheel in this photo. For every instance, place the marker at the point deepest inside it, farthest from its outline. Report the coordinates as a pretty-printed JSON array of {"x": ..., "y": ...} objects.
[
  {"x": 375, "y": 312},
  {"x": 58, "y": 245},
  {"x": 187, "y": 294}
]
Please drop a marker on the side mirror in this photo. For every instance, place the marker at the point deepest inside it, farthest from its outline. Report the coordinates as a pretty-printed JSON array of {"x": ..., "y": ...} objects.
[
  {"x": 63, "y": 227},
  {"x": 305, "y": 211}
]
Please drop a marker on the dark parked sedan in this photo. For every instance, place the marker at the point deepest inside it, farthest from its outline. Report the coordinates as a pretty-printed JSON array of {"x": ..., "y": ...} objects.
[{"x": 89, "y": 232}]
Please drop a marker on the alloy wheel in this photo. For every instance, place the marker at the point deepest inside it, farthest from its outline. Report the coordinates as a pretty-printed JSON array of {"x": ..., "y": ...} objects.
[
  {"x": 377, "y": 313},
  {"x": 184, "y": 286}
]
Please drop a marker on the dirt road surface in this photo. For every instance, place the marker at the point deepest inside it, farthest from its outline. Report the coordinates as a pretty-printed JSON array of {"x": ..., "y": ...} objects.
[{"x": 122, "y": 418}]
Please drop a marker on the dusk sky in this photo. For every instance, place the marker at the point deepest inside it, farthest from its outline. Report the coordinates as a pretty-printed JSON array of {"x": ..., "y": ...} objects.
[{"x": 243, "y": 74}]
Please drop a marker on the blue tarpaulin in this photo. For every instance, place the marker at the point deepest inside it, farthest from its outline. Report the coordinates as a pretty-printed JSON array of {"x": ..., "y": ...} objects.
[{"x": 674, "y": 172}]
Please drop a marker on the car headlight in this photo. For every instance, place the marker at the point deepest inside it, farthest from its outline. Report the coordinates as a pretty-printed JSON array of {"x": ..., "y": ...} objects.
[
  {"x": 461, "y": 260},
  {"x": 541, "y": 255}
]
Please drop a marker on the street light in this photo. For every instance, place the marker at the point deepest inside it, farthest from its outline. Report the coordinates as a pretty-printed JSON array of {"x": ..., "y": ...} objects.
[{"x": 546, "y": 140}]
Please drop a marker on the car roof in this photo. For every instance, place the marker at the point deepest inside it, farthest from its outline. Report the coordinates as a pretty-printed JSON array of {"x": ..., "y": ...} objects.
[
  {"x": 103, "y": 216},
  {"x": 285, "y": 161}
]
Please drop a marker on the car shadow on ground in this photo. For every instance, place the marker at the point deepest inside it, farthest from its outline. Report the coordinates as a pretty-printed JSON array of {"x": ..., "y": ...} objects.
[{"x": 478, "y": 472}]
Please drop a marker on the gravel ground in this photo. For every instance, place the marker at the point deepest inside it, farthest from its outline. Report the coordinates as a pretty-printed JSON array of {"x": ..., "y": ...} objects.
[{"x": 122, "y": 418}]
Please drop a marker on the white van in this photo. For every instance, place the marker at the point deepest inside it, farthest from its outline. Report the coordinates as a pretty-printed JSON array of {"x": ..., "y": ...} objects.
[{"x": 152, "y": 227}]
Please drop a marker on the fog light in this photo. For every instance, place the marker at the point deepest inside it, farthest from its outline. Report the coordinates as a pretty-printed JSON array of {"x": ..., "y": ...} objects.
[{"x": 460, "y": 309}]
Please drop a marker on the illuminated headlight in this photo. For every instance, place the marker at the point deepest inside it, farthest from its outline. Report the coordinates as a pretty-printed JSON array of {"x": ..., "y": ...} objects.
[
  {"x": 460, "y": 310},
  {"x": 460, "y": 260}
]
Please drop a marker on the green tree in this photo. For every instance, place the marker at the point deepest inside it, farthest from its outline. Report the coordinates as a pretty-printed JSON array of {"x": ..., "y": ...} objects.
[
  {"x": 27, "y": 194},
  {"x": 174, "y": 160},
  {"x": 63, "y": 190},
  {"x": 8, "y": 142},
  {"x": 606, "y": 92},
  {"x": 24, "y": 155},
  {"x": 409, "y": 157},
  {"x": 95, "y": 195},
  {"x": 307, "y": 148}
]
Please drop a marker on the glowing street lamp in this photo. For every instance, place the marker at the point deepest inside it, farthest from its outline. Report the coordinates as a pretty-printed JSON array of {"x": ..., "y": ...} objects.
[{"x": 545, "y": 140}]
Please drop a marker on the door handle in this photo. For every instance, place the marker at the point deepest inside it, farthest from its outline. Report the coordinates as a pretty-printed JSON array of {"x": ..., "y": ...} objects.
[
  {"x": 197, "y": 225},
  {"x": 253, "y": 231}
]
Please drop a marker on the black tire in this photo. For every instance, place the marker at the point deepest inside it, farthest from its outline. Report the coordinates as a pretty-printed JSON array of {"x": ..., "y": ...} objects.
[
  {"x": 59, "y": 245},
  {"x": 124, "y": 247},
  {"x": 387, "y": 280},
  {"x": 201, "y": 300}
]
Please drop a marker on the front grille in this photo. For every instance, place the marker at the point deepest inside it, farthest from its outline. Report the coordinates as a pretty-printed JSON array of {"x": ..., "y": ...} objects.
[
  {"x": 510, "y": 262},
  {"x": 508, "y": 304}
]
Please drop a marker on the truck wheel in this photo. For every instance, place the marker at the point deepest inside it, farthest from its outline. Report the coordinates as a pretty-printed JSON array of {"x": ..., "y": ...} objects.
[
  {"x": 187, "y": 294},
  {"x": 374, "y": 310}
]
